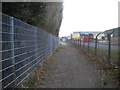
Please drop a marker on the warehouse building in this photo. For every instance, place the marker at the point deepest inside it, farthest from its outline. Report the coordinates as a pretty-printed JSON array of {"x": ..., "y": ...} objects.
[
  {"x": 116, "y": 33},
  {"x": 77, "y": 35},
  {"x": 94, "y": 34}
]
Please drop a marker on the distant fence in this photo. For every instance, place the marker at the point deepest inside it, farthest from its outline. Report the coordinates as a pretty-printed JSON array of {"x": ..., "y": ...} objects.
[
  {"x": 23, "y": 47},
  {"x": 106, "y": 49}
]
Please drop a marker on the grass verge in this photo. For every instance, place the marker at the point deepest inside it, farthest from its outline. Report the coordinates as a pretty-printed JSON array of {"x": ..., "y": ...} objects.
[
  {"x": 36, "y": 78},
  {"x": 103, "y": 53},
  {"x": 109, "y": 74}
]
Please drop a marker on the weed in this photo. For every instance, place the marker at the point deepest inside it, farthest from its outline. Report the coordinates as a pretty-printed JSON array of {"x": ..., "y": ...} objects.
[
  {"x": 109, "y": 74},
  {"x": 35, "y": 80}
]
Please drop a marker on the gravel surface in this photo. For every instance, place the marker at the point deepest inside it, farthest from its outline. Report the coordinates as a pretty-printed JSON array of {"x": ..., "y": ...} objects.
[{"x": 70, "y": 70}]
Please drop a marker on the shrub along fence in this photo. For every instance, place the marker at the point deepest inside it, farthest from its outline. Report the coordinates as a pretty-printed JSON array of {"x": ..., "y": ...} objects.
[{"x": 23, "y": 46}]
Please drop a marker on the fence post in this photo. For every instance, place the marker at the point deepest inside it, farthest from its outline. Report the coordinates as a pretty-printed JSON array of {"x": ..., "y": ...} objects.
[
  {"x": 109, "y": 48},
  {"x": 83, "y": 42},
  {"x": 12, "y": 47},
  {"x": 53, "y": 44},
  {"x": 80, "y": 41},
  {"x": 96, "y": 41},
  {"x": 0, "y": 48},
  {"x": 36, "y": 41},
  {"x": 88, "y": 43},
  {"x": 118, "y": 62}
]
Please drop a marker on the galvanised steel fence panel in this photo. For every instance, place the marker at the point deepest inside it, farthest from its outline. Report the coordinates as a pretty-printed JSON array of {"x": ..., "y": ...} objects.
[{"x": 23, "y": 47}]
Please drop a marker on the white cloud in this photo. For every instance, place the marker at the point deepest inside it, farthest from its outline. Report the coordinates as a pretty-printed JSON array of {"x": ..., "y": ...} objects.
[{"x": 89, "y": 15}]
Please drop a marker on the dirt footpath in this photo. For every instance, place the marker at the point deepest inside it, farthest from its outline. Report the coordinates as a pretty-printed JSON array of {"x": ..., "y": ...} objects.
[{"x": 71, "y": 70}]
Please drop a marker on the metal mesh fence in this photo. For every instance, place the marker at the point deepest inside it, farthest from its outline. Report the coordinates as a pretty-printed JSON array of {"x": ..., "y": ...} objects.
[{"x": 23, "y": 47}]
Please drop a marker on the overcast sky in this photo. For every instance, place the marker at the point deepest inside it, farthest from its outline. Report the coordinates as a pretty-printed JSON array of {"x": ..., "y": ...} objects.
[{"x": 89, "y": 15}]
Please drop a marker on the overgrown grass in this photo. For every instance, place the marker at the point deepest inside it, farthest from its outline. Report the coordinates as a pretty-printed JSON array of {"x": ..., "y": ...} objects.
[
  {"x": 109, "y": 77},
  {"x": 35, "y": 80},
  {"x": 30, "y": 83},
  {"x": 103, "y": 53},
  {"x": 109, "y": 74}
]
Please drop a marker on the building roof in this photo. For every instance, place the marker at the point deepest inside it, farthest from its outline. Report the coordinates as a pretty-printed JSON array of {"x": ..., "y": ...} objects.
[
  {"x": 90, "y": 32},
  {"x": 76, "y": 32},
  {"x": 87, "y": 32},
  {"x": 110, "y": 30}
]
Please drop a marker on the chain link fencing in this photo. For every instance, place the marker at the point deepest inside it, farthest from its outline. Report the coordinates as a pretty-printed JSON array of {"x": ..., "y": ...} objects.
[{"x": 107, "y": 49}]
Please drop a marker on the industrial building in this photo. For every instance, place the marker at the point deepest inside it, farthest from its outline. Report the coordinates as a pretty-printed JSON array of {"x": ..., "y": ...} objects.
[
  {"x": 77, "y": 35},
  {"x": 115, "y": 35}
]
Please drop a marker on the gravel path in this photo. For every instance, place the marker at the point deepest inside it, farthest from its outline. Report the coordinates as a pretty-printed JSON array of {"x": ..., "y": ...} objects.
[{"x": 71, "y": 70}]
